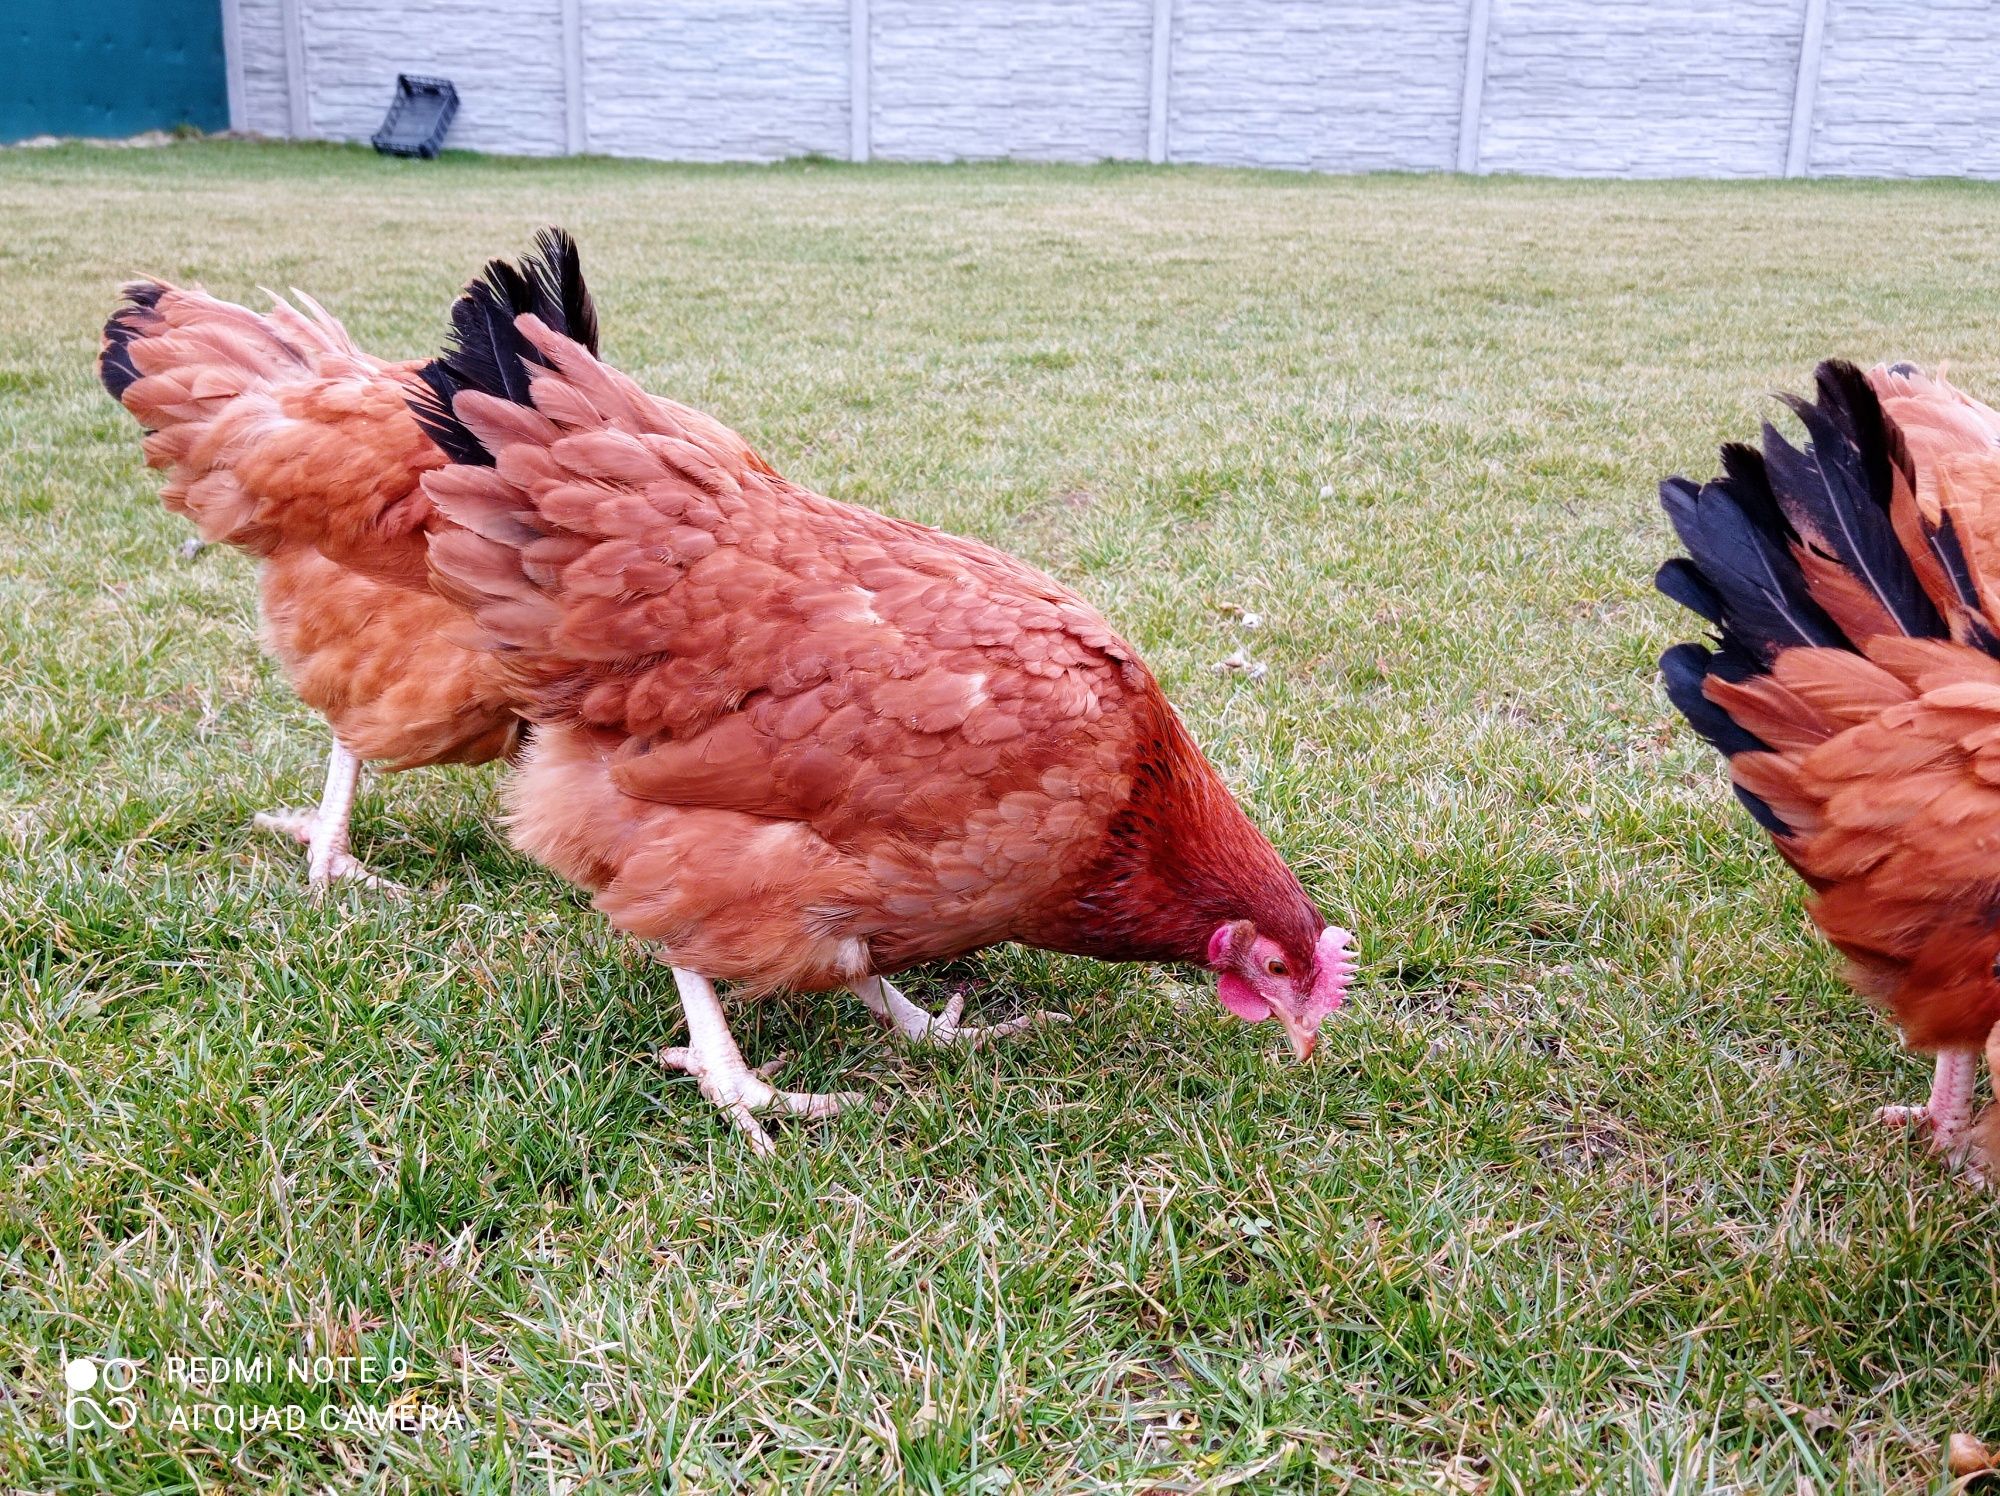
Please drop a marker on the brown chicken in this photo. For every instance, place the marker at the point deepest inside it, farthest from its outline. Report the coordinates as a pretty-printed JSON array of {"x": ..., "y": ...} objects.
[
  {"x": 282, "y": 438},
  {"x": 790, "y": 742},
  {"x": 1855, "y": 688}
]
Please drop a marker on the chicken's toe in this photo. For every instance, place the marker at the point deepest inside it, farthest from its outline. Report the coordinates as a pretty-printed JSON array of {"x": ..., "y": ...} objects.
[
  {"x": 323, "y": 831},
  {"x": 746, "y": 1122},
  {"x": 328, "y": 861},
  {"x": 1903, "y": 1116},
  {"x": 1947, "y": 1112},
  {"x": 815, "y": 1103},
  {"x": 744, "y": 1094},
  {"x": 917, "y": 1026},
  {"x": 344, "y": 867},
  {"x": 295, "y": 824},
  {"x": 978, "y": 1034}
]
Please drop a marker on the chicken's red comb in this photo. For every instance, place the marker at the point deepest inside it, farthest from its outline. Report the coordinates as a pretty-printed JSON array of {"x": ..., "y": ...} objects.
[{"x": 1333, "y": 968}]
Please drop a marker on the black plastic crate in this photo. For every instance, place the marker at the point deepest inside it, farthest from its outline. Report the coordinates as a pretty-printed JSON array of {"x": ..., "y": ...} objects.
[{"x": 418, "y": 117}]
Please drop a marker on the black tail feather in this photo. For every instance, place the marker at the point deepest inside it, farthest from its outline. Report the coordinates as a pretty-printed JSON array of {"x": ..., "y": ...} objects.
[
  {"x": 1746, "y": 480},
  {"x": 562, "y": 300},
  {"x": 1685, "y": 669},
  {"x": 1743, "y": 533},
  {"x": 1681, "y": 580},
  {"x": 1762, "y": 593},
  {"x": 1950, "y": 551},
  {"x": 1843, "y": 385},
  {"x": 488, "y": 353},
  {"x": 434, "y": 413},
  {"x": 126, "y": 325},
  {"x": 1837, "y": 492}
]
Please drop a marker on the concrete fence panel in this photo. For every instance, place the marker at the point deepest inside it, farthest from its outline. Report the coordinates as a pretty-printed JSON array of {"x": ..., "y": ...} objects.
[
  {"x": 1632, "y": 88},
  {"x": 727, "y": 80},
  {"x": 1909, "y": 88},
  {"x": 1355, "y": 87},
  {"x": 1037, "y": 80}
]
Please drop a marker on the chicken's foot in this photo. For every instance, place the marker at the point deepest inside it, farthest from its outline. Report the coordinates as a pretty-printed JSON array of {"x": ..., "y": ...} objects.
[
  {"x": 323, "y": 832},
  {"x": 920, "y": 1027},
  {"x": 1949, "y": 1111},
  {"x": 712, "y": 1058}
]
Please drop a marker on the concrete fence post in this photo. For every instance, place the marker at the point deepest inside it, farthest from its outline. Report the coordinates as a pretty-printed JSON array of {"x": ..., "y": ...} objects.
[
  {"x": 1472, "y": 89},
  {"x": 576, "y": 125},
  {"x": 232, "y": 65},
  {"x": 859, "y": 65},
  {"x": 1805, "y": 90},
  {"x": 298, "y": 101},
  {"x": 1163, "y": 65}
]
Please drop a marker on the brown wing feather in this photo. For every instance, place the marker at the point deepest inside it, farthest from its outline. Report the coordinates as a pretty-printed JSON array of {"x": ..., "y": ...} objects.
[
  {"x": 1894, "y": 819},
  {"x": 1854, "y": 607},
  {"x": 790, "y": 739}
]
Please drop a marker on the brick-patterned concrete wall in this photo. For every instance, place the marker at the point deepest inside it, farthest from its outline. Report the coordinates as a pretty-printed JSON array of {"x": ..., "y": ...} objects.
[
  {"x": 725, "y": 80},
  {"x": 1366, "y": 86},
  {"x": 260, "y": 38},
  {"x": 1569, "y": 87},
  {"x": 1039, "y": 80},
  {"x": 1909, "y": 88},
  {"x": 1637, "y": 88}
]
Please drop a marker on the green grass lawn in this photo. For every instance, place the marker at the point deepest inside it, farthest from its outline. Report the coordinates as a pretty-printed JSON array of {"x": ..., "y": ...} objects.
[{"x": 1581, "y": 1193}]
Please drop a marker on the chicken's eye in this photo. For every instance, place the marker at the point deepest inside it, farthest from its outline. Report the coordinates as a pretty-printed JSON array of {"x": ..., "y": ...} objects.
[{"x": 1276, "y": 967}]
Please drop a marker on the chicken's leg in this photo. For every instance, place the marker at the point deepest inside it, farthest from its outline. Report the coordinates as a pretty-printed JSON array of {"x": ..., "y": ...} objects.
[
  {"x": 712, "y": 1058},
  {"x": 919, "y": 1027},
  {"x": 324, "y": 831},
  {"x": 1982, "y": 1139},
  {"x": 1949, "y": 1110}
]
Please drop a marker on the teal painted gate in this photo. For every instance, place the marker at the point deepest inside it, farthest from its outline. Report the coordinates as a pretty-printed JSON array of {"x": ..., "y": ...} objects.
[{"x": 110, "y": 67}]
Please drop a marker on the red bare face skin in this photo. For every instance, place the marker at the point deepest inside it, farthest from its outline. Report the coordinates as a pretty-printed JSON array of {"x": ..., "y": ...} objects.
[{"x": 1256, "y": 979}]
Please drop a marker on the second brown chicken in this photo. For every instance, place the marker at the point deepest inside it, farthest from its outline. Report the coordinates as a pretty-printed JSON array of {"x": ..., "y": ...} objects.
[{"x": 280, "y": 437}]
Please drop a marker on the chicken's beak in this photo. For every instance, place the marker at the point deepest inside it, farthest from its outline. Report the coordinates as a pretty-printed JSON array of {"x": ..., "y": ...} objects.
[{"x": 1303, "y": 1038}]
